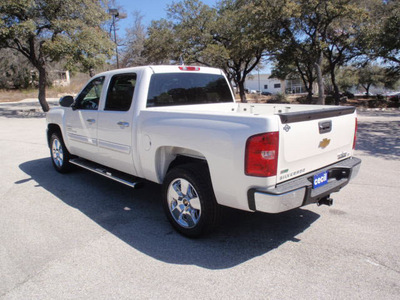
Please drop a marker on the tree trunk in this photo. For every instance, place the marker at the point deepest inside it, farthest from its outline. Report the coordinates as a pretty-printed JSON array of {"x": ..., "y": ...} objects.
[
  {"x": 242, "y": 91},
  {"x": 320, "y": 80},
  {"x": 367, "y": 89},
  {"x": 42, "y": 88},
  {"x": 310, "y": 93},
  {"x": 307, "y": 78},
  {"x": 336, "y": 94}
]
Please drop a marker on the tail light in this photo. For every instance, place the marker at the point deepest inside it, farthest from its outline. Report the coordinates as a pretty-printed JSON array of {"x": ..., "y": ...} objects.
[
  {"x": 262, "y": 154},
  {"x": 355, "y": 135}
]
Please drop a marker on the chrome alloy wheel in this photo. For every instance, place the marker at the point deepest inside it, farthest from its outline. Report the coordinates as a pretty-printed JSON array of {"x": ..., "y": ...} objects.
[
  {"x": 57, "y": 153},
  {"x": 183, "y": 203}
]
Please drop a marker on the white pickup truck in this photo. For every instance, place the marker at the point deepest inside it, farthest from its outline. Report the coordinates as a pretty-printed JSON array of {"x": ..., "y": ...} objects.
[{"x": 180, "y": 126}]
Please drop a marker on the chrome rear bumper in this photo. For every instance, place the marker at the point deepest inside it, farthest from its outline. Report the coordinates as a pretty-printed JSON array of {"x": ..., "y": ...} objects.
[{"x": 299, "y": 191}]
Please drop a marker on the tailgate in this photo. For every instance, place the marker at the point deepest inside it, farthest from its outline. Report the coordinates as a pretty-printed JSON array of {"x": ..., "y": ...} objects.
[{"x": 310, "y": 140}]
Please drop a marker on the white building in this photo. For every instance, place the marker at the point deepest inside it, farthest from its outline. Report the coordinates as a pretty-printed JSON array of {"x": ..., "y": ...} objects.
[
  {"x": 296, "y": 86},
  {"x": 263, "y": 83},
  {"x": 61, "y": 78}
]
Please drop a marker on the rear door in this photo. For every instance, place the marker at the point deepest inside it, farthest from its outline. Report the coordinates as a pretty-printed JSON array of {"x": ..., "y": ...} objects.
[
  {"x": 115, "y": 125},
  {"x": 315, "y": 139}
]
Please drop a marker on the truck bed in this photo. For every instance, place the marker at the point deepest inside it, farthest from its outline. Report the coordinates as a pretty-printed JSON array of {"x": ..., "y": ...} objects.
[{"x": 310, "y": 136}]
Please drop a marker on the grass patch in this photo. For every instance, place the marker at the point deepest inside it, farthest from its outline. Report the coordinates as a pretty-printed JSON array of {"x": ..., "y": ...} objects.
[{"x": 77, "y": 83}]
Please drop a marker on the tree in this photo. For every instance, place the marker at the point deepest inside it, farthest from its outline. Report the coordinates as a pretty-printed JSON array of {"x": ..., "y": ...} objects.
[
  {"x": 227, "y": 36},
  {"x": 133, "y": 51},
  {"x": 371, "y": 75},
  {"x": 341, "y": 39},
  {"x": 290, "y": 63},
  {"x": 51, "y": 30},
  {"x": 381, "y": 38},
  {"x": 313, "y": 27},
  {"x": 234, "y": 33},
  {"x": 160, "y": 46},
  {"x": 389, "y": 36},
  {"x": 347, "y": 77},
  {"x": 14, "y": 70},
  {"x": 304, "y": 30}
]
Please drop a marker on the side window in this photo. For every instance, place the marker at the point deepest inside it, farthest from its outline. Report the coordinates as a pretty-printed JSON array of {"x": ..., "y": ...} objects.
[
  {"x": 120, "y": 92},
  {"x": 90, "y": 95}
]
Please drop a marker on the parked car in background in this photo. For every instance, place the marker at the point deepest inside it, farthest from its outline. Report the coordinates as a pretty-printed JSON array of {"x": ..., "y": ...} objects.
[
  {"x": 266, "y": 93},
  {"x": 393, "y": 96},
  {"x": 393, "y": 99},
  {"x": 348, "y": 94}
]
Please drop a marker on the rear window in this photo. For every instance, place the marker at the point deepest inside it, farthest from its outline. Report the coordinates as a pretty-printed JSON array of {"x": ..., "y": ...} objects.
[{"x": 186, "y": 89}]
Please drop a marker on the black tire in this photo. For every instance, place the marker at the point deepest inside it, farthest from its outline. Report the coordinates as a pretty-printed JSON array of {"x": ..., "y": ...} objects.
[
  {"x": 195, "y": 212},
  {"x": 59, "y": 154}
]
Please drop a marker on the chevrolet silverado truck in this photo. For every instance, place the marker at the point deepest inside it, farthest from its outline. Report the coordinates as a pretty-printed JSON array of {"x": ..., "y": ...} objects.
[{"x": 179, "y": 126}]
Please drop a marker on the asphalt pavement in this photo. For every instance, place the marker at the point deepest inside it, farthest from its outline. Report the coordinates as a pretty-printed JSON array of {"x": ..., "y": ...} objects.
[{"x": 82, "y": 236}]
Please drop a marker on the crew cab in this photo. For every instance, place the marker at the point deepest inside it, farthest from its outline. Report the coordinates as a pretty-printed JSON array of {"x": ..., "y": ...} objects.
[{"x": 180, "y": 126}]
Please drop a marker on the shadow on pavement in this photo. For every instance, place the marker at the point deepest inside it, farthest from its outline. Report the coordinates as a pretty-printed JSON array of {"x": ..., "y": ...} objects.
[
  {"x": 22, "y": 114},
  {"x": 137, "y": 218},
  {"x": 380, "y": 139},
  {"x": 23, "y": 109},
  {"x": 378, "y": 113}
]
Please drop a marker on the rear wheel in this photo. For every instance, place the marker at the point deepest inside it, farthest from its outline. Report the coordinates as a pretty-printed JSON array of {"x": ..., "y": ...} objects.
[
  {"x": 189, "y": 201},
  {"x": 59, "y": 154}
]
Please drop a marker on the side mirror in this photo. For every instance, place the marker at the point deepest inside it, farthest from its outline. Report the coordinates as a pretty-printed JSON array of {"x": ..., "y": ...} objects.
[{"x": 66, "y": 101}]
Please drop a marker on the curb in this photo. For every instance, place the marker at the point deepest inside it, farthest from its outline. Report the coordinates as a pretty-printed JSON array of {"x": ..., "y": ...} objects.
[{"x": 25, "y": 109}]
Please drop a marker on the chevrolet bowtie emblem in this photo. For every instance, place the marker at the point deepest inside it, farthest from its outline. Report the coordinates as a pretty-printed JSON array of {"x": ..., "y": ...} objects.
[{"x": 324, "y": 143}]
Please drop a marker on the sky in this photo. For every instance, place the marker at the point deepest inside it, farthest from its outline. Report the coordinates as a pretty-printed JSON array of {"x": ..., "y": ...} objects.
[{"x": 150, "y": 9}]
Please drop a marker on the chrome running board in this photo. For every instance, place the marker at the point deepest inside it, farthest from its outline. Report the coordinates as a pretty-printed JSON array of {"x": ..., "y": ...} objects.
[{"x": 106, "y": 172}]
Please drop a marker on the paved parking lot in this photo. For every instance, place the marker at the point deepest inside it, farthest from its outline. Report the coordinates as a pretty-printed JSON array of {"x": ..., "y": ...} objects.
[{"x": 81, "y": 236}]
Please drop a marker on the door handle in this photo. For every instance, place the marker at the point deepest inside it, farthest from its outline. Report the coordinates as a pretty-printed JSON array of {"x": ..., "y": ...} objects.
[
  {"x": 123, "y": 124},
  {"x": 325, "y": 126},
  {"x": 91, "y": 121}
]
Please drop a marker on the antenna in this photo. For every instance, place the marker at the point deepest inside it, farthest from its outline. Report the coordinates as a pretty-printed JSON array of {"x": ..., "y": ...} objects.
[{"x": 181, "y": 61}]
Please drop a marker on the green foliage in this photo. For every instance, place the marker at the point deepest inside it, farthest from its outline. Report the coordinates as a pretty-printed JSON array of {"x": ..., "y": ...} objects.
[
  {"x": 381, "y": 38},
  {"x": 160, "y": 46},
  {"x": 59, "y": 29},
  {"x": 371, "y": 75},
  {"x": 316, "y": 31},
  {"x": 306, "y": 38},
  {"x": 51, "y": 30},
  {"x": 228, "y": 36},
  {"x": 347, "y": 78},
  {"x": 291, "y": 64},
  {"x": 15, "y": 71}
]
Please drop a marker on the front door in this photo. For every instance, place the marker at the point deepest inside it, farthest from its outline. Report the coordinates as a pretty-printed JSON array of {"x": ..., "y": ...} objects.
[
  {"x": 115, "y": 127},
  {"x": 81, "y": 121}
]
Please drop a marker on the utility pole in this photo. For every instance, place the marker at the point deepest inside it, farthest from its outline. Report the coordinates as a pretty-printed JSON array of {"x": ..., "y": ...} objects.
[{"x": 115, "y": 14}]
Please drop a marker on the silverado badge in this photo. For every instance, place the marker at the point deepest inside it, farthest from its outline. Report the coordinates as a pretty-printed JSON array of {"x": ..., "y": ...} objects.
[{"x": 324, "y": 143}]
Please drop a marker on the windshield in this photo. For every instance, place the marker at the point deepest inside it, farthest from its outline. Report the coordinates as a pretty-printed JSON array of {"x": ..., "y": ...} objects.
[{"x": 185, "y": 89}]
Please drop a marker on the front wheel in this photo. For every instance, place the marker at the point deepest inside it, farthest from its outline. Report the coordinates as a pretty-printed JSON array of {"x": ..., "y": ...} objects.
[
  {"x": 59, "y": 154},
  {"x": 189, "y": 201}
]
